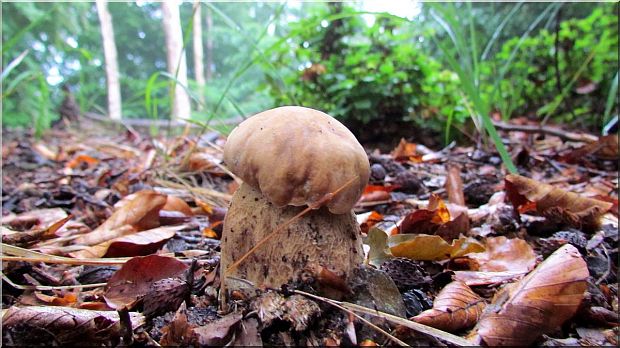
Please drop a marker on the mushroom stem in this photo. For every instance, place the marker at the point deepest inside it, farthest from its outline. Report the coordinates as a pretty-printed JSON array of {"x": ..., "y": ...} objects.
[
  {"x": 273, "y": 246},
  {"x": 328, "y": 197}
]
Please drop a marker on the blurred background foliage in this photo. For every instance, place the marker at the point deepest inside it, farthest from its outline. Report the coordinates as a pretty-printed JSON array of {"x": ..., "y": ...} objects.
[{"x": 446, "y": 69}]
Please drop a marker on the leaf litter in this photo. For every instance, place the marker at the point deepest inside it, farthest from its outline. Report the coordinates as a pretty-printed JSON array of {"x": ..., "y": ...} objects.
[{"x": 465, "y": 244}]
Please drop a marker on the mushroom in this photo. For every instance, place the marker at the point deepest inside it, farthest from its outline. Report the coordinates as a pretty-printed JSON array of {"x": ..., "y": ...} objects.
[{"x": 291, "y": 158}]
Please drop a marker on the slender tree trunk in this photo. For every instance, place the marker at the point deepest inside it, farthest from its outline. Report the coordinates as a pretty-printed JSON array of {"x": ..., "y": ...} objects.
[
  {"x": 175, "y": 57},
  {"x": 198, "y": 56},
  {"x": 209, "y": 45},
  {"x": 111, "y": 63}
]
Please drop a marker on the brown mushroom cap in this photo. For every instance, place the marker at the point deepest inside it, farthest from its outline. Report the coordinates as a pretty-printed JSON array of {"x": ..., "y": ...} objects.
[{"x": 296, "y": 155}]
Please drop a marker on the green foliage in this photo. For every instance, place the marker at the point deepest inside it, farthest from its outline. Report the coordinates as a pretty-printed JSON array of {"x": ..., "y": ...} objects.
[
  {"x": 337, "y": 63},
  {"x": 587, "y": 55}
]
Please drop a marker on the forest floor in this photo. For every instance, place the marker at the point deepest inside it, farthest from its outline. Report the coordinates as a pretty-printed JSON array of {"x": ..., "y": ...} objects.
[{"x": 475, "y": 255}]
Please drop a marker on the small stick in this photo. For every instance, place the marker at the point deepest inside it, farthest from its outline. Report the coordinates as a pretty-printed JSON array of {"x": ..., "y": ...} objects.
[{"x": 564, "y": 135}]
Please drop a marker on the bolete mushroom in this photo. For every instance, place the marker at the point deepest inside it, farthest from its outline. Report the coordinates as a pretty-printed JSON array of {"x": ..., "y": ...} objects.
[{"x": 290, "y": 158}]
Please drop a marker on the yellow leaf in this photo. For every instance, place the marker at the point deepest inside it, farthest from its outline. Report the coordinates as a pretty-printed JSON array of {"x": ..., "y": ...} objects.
[{"x": 431, "y": 248}]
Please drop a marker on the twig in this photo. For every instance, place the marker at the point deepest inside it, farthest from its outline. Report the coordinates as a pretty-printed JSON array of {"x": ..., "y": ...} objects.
[
  {"x": 562, "y": 134},
  {"x": 337, "y": 304},
  {"x": 606, "y": 274},
  {"x": 45, "y": 287}
]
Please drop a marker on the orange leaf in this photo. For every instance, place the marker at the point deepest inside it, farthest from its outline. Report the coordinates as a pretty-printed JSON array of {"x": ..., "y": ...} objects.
[
  {"x": 371, "y": 220},
  {"x": 426, "y": 221},
  {"x": 67, "y": 299},
  {"x": 82, "y": 158},
  {"x": 539, "y": 303},
  {"x": 174, "y": 203},
  {"x": 404, "y": 150},
  {"x": 554, "y": 203},
  {"x": 455, "y": 308}
]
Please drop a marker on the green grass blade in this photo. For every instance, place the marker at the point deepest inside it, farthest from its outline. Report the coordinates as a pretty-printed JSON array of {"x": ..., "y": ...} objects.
[{"x": 611, "y": 98}]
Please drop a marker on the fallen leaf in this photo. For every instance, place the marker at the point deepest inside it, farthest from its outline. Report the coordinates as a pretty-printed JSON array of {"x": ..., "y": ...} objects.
[
  {"x": 379, "y": 251},
  {"x": 69, "y": 326},
  {"x": 454, "y": 185},
  {"x": 130, "y": 243},
  {"x": 406, "y": 151},
  {"x": 78, "y": 160},
  {"x": 474, "y": 278},
  {"x": 554, "y": 203},
  {"x": 134, "y": 279},
  {"x": 249, "y": 335},
  {"x": 142, "y": 212},
  {"x": 174, "y": 203},
  {"x": 178, "y": 332},
  {"x": 540, "y": 302},
  {"x": 218, "y": 332},
  {"x": 456, "y": 307},
  {"x": 66, "y": 299},
  {"x": 431, "y": 248},
  {"x": 503, "y": 254},
  {"x": 426, "y": 221},
  {"x": 371, "y": 219},
  {"x": 605, "y": 148}
]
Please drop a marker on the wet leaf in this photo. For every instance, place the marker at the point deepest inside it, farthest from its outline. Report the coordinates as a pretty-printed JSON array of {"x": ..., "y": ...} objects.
[
  {"x": 137, "y": 275},
  {"x": 503, "y": 254},
  {"x": 540, "y": 302},
  {"x": 554, "y": 203},
  {"x": 456, "y": 307},
  {"x": 142, "y": 213},
  {"x": 431, "y": 248}
]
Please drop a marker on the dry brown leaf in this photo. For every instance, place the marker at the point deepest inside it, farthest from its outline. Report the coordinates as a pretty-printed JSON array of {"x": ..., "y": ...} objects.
[
  {"x": 540, "y": 302},
  {"x": 426, "y": 221},
  {"x": 554, "y": 203},
  {"x": 134, "y": 279},
  {"x": 454, "y": 185},
  {"x": 473, "y": 278},
  {"x": 503, "y": 254},
  {"x": 66, "y": 299},
  {"x": 456, "y": 307},
  {"x": 131, "y": 243},
  {"x": 70, "y": 326},
  {"x": 142, "y": 212},
  {"x": 431, "y": 248}
]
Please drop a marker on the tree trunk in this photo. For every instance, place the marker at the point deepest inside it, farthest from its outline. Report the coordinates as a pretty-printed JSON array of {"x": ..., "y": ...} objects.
[
  {"x": 209, "y": 45},
  {"x": 175, "y": 57},
  {"x": 198, "y": 56},
  {"x": 111, "y": 63}
]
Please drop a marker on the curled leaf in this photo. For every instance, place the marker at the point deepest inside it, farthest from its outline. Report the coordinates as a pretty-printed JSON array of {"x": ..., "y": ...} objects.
[
  {"x": 456, "y": 307},
  {"x": 540, "y": 302},
  {"x": 554, "y": 203}
]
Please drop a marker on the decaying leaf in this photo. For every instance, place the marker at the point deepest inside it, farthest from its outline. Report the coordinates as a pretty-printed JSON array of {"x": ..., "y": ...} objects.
[
  {"x": 540, "y": 302},
  {"x": 554, "y": 203},
  {"x": 62, "y": 326},
  {"x": 142, "y": 212},
  {"x": 456, "y": 307},
  {"x": 165, "y": 295},
  {"x": 503, "y": 254},
  {"x": 454, "y": 185},
  {"x": 473, "y": 278},
  {"x": 431, "y": 248},
  {"x": 135, "y": 278},
  {"x": 219, "y": 332}
]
